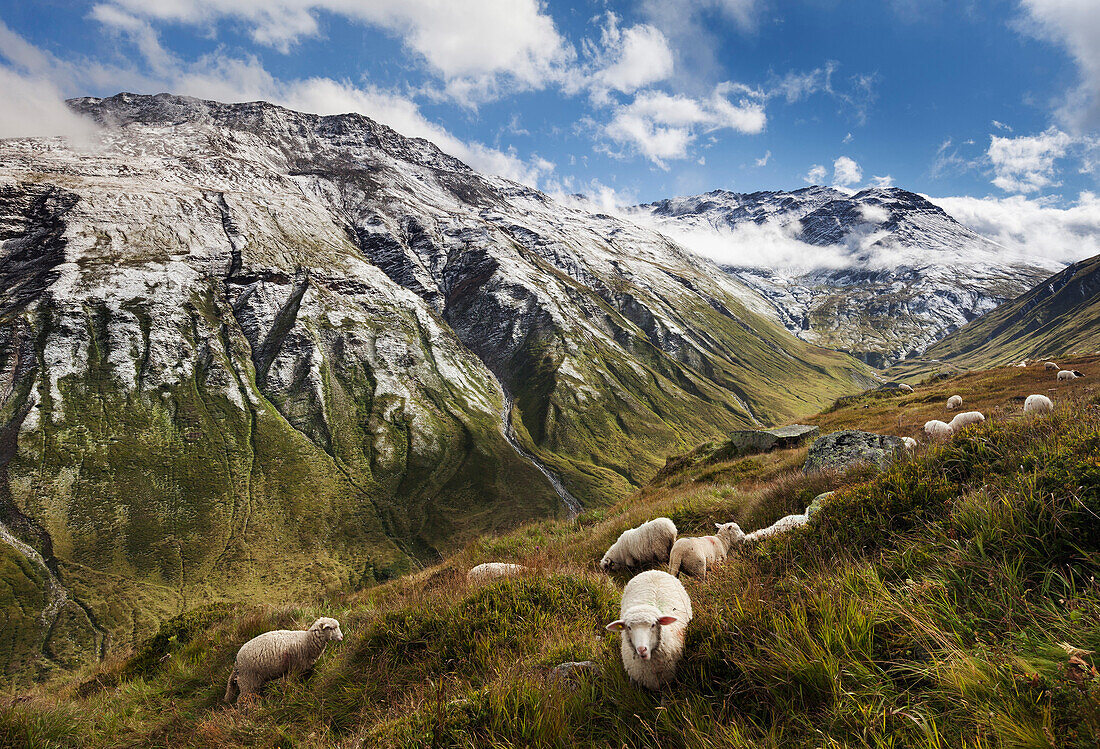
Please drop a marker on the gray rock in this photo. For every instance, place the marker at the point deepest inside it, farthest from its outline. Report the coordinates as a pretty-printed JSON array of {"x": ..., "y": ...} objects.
[
  {"x": 569, "y": 674},
  {"x": 818, "y": 503},
  {"x": 842, "y": 449},
  {"x": 749, "y": 441}
]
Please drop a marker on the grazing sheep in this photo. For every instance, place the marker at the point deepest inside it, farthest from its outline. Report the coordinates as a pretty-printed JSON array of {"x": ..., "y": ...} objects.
[
  {"x": 965, "y": 419},
  {"x": 905, "y": 388},
  {"x": 654, "y": 613},
  {"x": 694, "y": 556},
  {"x": 1051, "y": 365},
  {"x": 1038, "y": 404},
  {"x": 954, "y": 402},
  {"x": 782, "y": 525},
  {"x": 1022, "y": 364},
  {"x": 910, "y": 443},
  {"x": 276, "y": 654},
  {"x": 483, "y": 573},
  {"x": 1067, "y": 374},
  {"x": 649, "y": 542},
  {"x": 937, "y": 428}
]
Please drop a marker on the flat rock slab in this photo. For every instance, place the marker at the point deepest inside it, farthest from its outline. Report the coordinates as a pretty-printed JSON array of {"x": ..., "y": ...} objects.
[
  {"x": 748, "y": 441},
  {"x": 842, "y": 449},
  {"x": 570, "y": 674}
]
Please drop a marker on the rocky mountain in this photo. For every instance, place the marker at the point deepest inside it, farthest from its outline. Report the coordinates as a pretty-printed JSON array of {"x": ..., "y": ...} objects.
[
  {"x": 882, "y": 273},
  {"x": 1059, "y": 317},
  {"x": 248, "y": 352}
]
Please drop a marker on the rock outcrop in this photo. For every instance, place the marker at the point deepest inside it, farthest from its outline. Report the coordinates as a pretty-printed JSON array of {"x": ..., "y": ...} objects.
[{"x": 851, "y": 446}]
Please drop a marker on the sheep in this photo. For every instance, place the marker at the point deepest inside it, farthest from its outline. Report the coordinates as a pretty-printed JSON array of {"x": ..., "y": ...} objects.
[
  {"x": 649, "y": 542},
  {"x": 654, "y": 613},
  {"x": 954, "y": 402},
  {"x": 694, "y": 556},
  {"x": 937, "y": 428},
  {"x": 1038, "y": 404},
  {"x": 1068, "y": 374},
  {"x": 910, "y": 443},
  {"x": 965, "y": 419},
  {"x": 782, "y": 525},
  {"x": 275, "y": 654},
  {"x": 492, "y": 570},
  {"x": 1022, "y": 364},
  {"x": 905, "y": 388},
  {"x": 1051, "y": 365}
]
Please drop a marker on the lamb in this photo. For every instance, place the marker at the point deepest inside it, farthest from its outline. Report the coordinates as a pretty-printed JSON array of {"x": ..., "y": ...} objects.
[
  {"x": 694, "y": 556},
  {"x": 965, "y": 419},
  {"x": 1038, "y": 404},
  {"x": 1051, "y": 365},
  {"x": 483, "y": 573},
  {"x": 1069, "y": 374},
  {"x": 910, "y": 443},
  {"x": 954, "y": 402},
  {"x": 937, "y": 428},
  {"x": 782, "y": 525},
  {"x": 649, "y": 542},
  {"x": 275, "y": 654},
  {"x": 654, "y": 613}
]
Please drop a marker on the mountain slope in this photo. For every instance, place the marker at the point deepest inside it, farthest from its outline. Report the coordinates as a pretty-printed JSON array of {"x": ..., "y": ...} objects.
[
  {"x": 1059, "y": 317},
  {"x": 247, "y": 351},
  {"x": 882, "y": 273}
]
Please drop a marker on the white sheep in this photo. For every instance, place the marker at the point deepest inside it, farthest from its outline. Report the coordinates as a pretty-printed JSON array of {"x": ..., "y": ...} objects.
[
  {"x": 954, "y": 402},
  {"x": 937, "y": 428},
  {"x": 1051, "y": 365},
  {"x": 905, "y": 388},
  {"x": 1022, "y": 364},
  {"x": 1068, "y": 374},
  {"x": 694, "y": 556},
  {"x": 654, "y": 613},
  {"x": 782, "y": 525},
  {"x": 910, "y": 443},
  {"x": 1038, "y": 404},
  {"x": 648, "y": 543},
  {"x": 278, "y": 653},
  {"x": 493, "y": 570},
  {"x": 965, "y": 419}
]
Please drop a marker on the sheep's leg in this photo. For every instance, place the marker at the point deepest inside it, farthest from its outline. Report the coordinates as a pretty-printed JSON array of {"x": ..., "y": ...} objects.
[
  {"x": 231, "y": 688},
  {"x": 704, "y": 570}
]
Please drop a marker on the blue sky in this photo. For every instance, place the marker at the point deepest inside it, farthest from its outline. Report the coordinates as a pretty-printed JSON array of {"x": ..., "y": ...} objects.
[{"x": 992, "y": 104}]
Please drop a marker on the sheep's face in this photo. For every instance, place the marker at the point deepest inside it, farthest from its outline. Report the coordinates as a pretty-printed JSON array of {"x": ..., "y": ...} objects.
[
  {"x": 329, "y": 627},
  {"x": 731, "y": 533},
  {"x": 642, "y": 632},
  {"x": 607, "y": 564}
]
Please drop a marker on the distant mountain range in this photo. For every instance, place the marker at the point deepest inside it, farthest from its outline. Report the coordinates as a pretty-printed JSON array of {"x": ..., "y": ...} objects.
[{"x": 882, "y": 273}]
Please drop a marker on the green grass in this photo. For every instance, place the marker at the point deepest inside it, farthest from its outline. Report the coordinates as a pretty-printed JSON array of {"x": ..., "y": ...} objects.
[{"x": 950, "y": 600}]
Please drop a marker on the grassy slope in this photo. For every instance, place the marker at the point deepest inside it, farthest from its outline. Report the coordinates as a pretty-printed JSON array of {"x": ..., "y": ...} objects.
[
  {"x": 924, "y": 606},
  {"x": 1059, "y": 317}
]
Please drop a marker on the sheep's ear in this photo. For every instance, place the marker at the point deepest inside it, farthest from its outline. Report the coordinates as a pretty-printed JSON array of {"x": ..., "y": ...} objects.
[
  {"x": 717, "y": 525},
  {"x": 664, "y": 621},
  {"x": 616, "y": 626}
]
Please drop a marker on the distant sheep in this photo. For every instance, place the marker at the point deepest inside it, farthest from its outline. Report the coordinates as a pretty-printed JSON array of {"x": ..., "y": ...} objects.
[
  {"x": 782, "y": 525},
  {"x": 954, "y": 402},
  {"x": 965, "y": 419},
  {"x": 1069, "y": 374},
  {"x": 654, "y": 613},
  {"x": 483, "y": 573},
  {"x": 694, "y": 556},
  {"x": 1038, "y": 404},
  {"x": 937, "y": 428},
  {"x": 905, "y": 388},
  {"x": 1051, "y": 365},
  {"x": 910, "y": 443},
  {"x": 275, "y": 654},
  {"x": 1022, "y": 364},
  {"x": 651, "y": 542}
]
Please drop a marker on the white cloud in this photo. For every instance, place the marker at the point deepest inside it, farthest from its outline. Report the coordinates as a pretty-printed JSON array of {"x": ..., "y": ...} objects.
[
  {"x": 816, "y": 175},
  {"x": 1074, "y": 24},
  {"x": 477, "y": 47},
  {"x": 873, "y": 214},
  {"x": 847, "y": 138},
  {"x": 1001, "y": 126},
  {"x": 1029, "y": 229},
  {"x": 1026, "y": 163},
  {"x": 661, "y": 126},
  {"x": 763, "y": 160},
  {"x": 630, "y": 59},
  {"x": 846, "y": 172},
  {"x": 34, "y": 107}
]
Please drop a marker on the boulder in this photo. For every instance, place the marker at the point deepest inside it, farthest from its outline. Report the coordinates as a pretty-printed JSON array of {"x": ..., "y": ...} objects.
[
  {"x": 842, "y": 449},
  {"x": 749, "y": 441},
  {"x": 817, "y": 504},
  {"x": 569, "y": 674}
]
